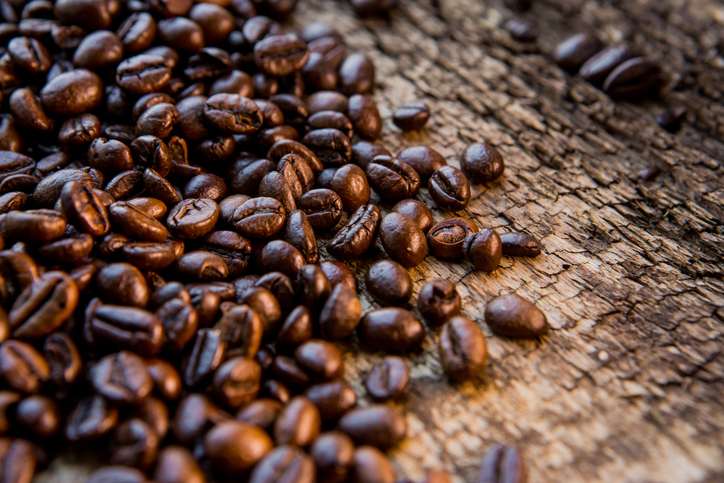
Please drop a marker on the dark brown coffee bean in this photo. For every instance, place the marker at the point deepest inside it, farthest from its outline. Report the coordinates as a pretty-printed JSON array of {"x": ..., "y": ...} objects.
[
  {"x": 371, "y": 465},
  {"x": 521, "y": 30},
  {"x": 338, "y": 273},
  {"x": 234, "y": 249},
  {"x": 8, "y": 403},
  {"x": 484, "y": 249},
  {"x": 388, "y": 283},
  {"x": 248, "y": 179},
  {"x": 15, "y": 163},
  {"x": 274, "y": 185},
  {"x": 228, "y": 205},
  {"x": 449, "y": 188},
  {"x": 232, "y": 113},
  {"x": 333, "y": 399},
  {"x": 313, "y": 287},
  {"x": 264, "y": 85},
  {"x": 633, "y": 78},
  {"x": 12, "y": 201},
  {"x": 327, "y": 101},
  {"x": 27, "y": 112},
  {"x": 438, "y": 301},
  {"x": 296, "y": 329},
  {"x": 392, "y": 179},
  {"x": 265, "y": 304},
  {"x": 411, "y": 116},
  {"x": 520, "y": 245},
  {"x": 236, "y": 382},
  {"x": 137, "y": 32},
  {"x": 299, "y": 233},
  {"x": 166, "y": 379},
  {"x": 201, "y": 265},
  {"x": 91, "y": 418},
  {"x": 462, "y": 349},
  {"x": 298, "y": 423},
  {"x": 241, "y": 329},
  {"x": 84, "y": 209},
  {"x": 193, "y": 218},
  {"x": 143, "y": 74},
  {"x": 323, "y": 208},
  {"x": 333, "y": 454},
  {"x": 356, "y": 74},
  {"x": 158, "y": 120},
  {"x": 365, "y": 117},
  {"x": 285, "y": 463},
  {"x": 319, "y": 73},
  {"x": 280, "y": 55},
  {"x": 121, "y": 378},
  {"x": 294, "y": 109},
  {"x": 502, "y": 464},
  {"x": 331, "y": 120},
  {"x": 280, "y": 256},
  {"x": 181, "y": 34},
  {"x": 268, "y": 137},
  {"x": 98, "y": 50},
  {"x": 109, "y": 156},
  {"x": 71, "y": 249},
  {"x": 122, "y": 284},
  {"x": 135, "y": 223},
  {"x": 29, "y": 55},
  {"x": 17, "y": 460},
  {"x": 234, "y": 447},
  {"x": 112, "y": 326},
  {"x": 275, "y": 390},
  {"x": 482, "y": 163},
  {"x": 357, "y": 235},
  {"x": 43, "y": 306},
  {"x": 177, "y": 464},
  {"x": 259, "y": 217},
  {"x": 423, "y": 159},
  {"x": 391, "y": 329},
  {"x": 204, "y": 358},
  {"x": 403, "y": 240},
  {"x": 37, "y": 226},
  {"x": 271, "y": 113},
  {"x": 135, "y": 444},
  {"x": 416, "y": 211},
  {"x": 350, "y": 183},
  {"x": 179, "y": 320},
  {"x": 388, "y": 378},
  {"x": 288, "y": 372},
  {"x": 319, "y": 358},
  {"x": 376, "y": 425},
  {"x": 573, "y": 52},
  {"x": 331, "y": 146},
  {"x": 148, "y": 256},
  {"x": 194, "y": 416},
  {"x": 598, "y": 67},
  {"x": 287, "y": 146},
  {"x": 340, "y": 314},
  {"x": 63, "y": 359},
  {"x": 513, "y": 316},
  {"x": 72, "y": 93},
  {"x": 22, "y": 368},
  {"x": 447, "y": 238},
  {"x": 17, "y": 272}
]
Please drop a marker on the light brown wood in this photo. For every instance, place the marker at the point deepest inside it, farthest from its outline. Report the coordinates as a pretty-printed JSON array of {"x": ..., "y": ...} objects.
[{"x": 627, "y": 386}]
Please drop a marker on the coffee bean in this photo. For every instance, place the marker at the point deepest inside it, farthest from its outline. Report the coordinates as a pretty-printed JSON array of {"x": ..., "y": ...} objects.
[
  {"x": 284, "y": 463},
  {"x": 135, "y": 223},
  {"x": 263, "y": 302},
  {"x": 327, "y": 101},
  {"x": 121, "y": 378},
  {"x": 259, "y": 217},
  {"x": 72, "y": 93},
  {"x": 371, "y": 465},
  {"x": 193, "y": 218},
  {"x": 233, "y": 114},
  {"x": 298, "y": 423},
  {"x": 39, "y": 415},
  {"x": 520, "y": 245},
  {"x": 482, "y": 163},
  {"x": 411, "y": 116},
  {"x": 276, "y": 390},
  {"x": 92, "y": 417},
  {"x": 313, "y": 287},
  {"x": 356, "y": 74},
  {"x": 14, "y": 163},
  {"x": 340, "y": 314},
  {"x": 484, "y": 249},
  {"x": 423, "y": 159},
  {"x": 17, "y": 460},
  {"x": 462, "y": 349},
  {"x": 388, "y": 283},
  {"x": 403, "y": 240},
  {"x": 331, "y": 120},
  {"x": 117, "y": 473},
  {"x": 158, "y": 120},
  {"x": 319, "y": 358},
  {"x": 122, "y": 284},
  {"x": 287, "y": 146},
  {"x": 135, "y": 444},
  {"x": 143, "y": 74},
  {"x": 39, "y": 226},
  {"x": 177, "y": 464},
  {"x": 154, "y": 413},
  {"x": 22, "y": 368},
  {"x": 449, "y": 188},
  {"x": 248, "y": 179},
  {"x": 43, "y": 306},
  {"x": 323, "y": 208},
  {"x": 633, "y": 78},
  {"x": 233, "y": 447},
  {"x": 181, "y": 33},
  {"x": 137, "y": 32},
  {"x": 166, "y": 379},
  {"x": 204, "y": 358},
  {"x": 521, "y": 30},
  {"x": 236, "y": 382},
  {"x": 388, "y": 378},
  {"x": 501, "y": 464},
  {"x": 280, "y": 256},
  {"x": 376, "y": 425},
  {"x": 27, "y": 112},
  {"x": 179, "y": 320},
  {"x": 280, "y": 55},
  {"x": 29, "y": 55},
  {"x": 194, "y": 416},
  {"x": 148, "y": 255},
  {"x": 84, "y": 209},
  {"x": 112, "y": 326},
  {"x": 573, "y": 52},
  {"x": 299, "y": 233},
  {"x": 333, "y": 454},
  {"x": 671, "y": 122},
  {"x": 392, "y": 179},
  {"x": 598, "y": 67},
  {"x": 365, "y": 117},
  {"x": 447, "y": 238},
  {"x": 288, "y": 372},
  {"x": 63, "y": 359},
  {"x": 513, "y": 316},
  {"x": 274, "y": 185},
  {"x": 350, "y": 183},
  {"x": 416, "y": 211},
  {"x": 333, "y": 399},
  {"x": 331, "y": 146},
  {"x": 438, "y": 301},
  {"x": 339, "y": 274},
  {"x": 98, "y": 50},
  {"x": 296, "y": 329},
  {"x": 241, "y": 329},
  {"x": 8, "y": 403},
  {"x": 357, "y": 235},
  {"x": 391, "y": 329}
]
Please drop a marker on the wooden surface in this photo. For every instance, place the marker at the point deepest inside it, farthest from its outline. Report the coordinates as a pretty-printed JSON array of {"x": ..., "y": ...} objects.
[{"x": 627, "y": 387}]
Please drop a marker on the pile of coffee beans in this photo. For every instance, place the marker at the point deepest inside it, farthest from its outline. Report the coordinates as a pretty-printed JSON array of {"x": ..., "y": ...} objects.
[{"x": 167, "y": 172}]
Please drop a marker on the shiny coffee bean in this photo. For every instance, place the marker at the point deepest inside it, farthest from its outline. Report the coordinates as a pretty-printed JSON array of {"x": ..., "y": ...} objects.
[
  {"x": 482, "y": 163},
  {"x": 274, "y": 185},
  {"x": 391, "y": 329},
  {"x": 513, "y": 316},
  {"x": 259, "y": 218},
  {"x": 234, "y": 447},
  {"x": 392, "y": 179},
  {"x": 462, "y": 349},
  {"x": 203, "y": 359},
  {"x": 179, "y": 320},
  {"x": 280, "y": 256},
  {"x": 320, "y": 359},
  {"x": 122, "y": 284},
  {"x": 333, "y": 454},
  {"x": 447, "y": 238},
  {"x": 323, "y": 208},
  {"x": 351, "y": 184},
  {"x": 298, "y": 424},
  {"x": 484, "y": 249},
  {"x": 261, "y": 412},
  {"x": 43, "y": 306},
  {"x": 288, "y": 372},
  {"x": 521, "y": 30},
  {"x": 22, "y": 368},
  {"x": 122, "y": 378},
  {"x": 38, "y": 415},
  {"x": 299, "y": 233},
  {"x": 166, "y": 379},
  {"x": 416, "y": 211},
  {"x": 339, "y": 274},
  {"x": 331, "y": 146},
  {"x": 520, "y": 245},
  {"x": 84, "y": 209},
  {"x": 356, "y": 74},
  {"x": 439, "y": 301},
  {"x": 194, "y": 416},
  {"x": 193, "y": 218},
  {"x": 423, "y": 159},
  {"x": 598, "y": 67},
  {"x": 388, "y": 283},
  {"x": 72, "y": 93},
  {"x": 331, "y": 120},
  {"x": 333, "y": 399},
  {"x": 296, "y": 329},
  {"x": 280, "y": 55},
  {"x": 233, "y": 114},
  {"x": 265, "y": 304},
  {"x": 340, "y": 314},
  {"x": 403, "y": 240},
  {"x": 38, "y": 226},
  {"x": 388, "y": 378},
  {"x": 357, "y": 235},
  {"x": 449, "y": 188},
  {"x": 236, "y": 382},
  {"x": 247, "y": 179},
  {"x": 285, "y": 463},
  {"x": 143, "y": 74},
  {"x": 365, "y": 117},
  {"x": 573, "y": 52},
  {"x": 287, "y": 146},
  {"x": 116, "y": 327},
  {"x": 135, "y": 444},
  {"x": 411, "y": 116},
  {"x": 327, "y": 101},
  {"x": 313, "y": 287},
  {"x": 633, "y": 78},
  {"x": 375, "y": 425},
  {"x": 133, "y": 222},
  {"x": 91, "y": 418},
  {"x": 500, "y": 464},
  {"x": 63, "y": 358},
  {"x": 241, "y": 329},
  {"x": 176, "y": 464}
]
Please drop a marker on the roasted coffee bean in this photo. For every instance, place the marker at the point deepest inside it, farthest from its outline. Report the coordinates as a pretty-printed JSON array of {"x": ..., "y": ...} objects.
[
  {"x": 148, "y": 256},
  {"x": 462, "y": 349},
  {"x": 299, "y": 233},
  {"x": 121, "y": 378},
  {"x": 15, "y": 163},
  {"x": 234, "y": 447},
  {"x": 71, "y": 249},
  {"x": 294, "y": 109},
  {"x": 416, "y": 211},
  {"x": 98, "y": 50},
  {"x": 356, "y": 74},
  {"x": 333, "y": 399},
  {"x": 204, "y": 358},
  {"x": 228, "y": 205},
  {"x": 215, "y": 149},
  {"x": 388, "y": 283},
  {"x": 17, "y": 272},
  {"x": 271, "y": 113},
  {"x": 179, "y": 320},
  {"x": 193, "y": 218},
  {"x": 8, "y": 403},
  {"x": 447, "y": 238},
  {"x": 181, "y": 34},
  {"x": 264, "y": 85},
  {"x": 259, "y": 217},
  {"x": 137, "y": 32},
  {"x": 192, "y": 121},
  {"x": 63, "y": 360},
  {"x": 38, "y": 226},
  {"x": 288, "y": 371},
  {"x": 298, "y": 423},
  {"x": 248, "y": 179},
  {"x": 12, "y": 201},
  {"x": 449, "y": 188},
  {"x": 109, "y": 156},
  {"x": 265, "y": 304},
  {"x": 598, "y": 67},
  {"x": 285, "y": 463},
  {"x": 365, "y": 117},
  {"x": 573, "y": 52},
  {"x": 340, "y": 314},
  {"x": 143, "y": 74},
  {"x": 267, "y": 137},
  {"x": 22, "y": 368},
  {"x": 376, "y": 425},
  {"x": 502, "y": 464},
  {"x": 403, "y": 240},
  {"x": 388, "y": 378},
  {"x": 423, "y": 159},
  {"x": 237, "y": 82},
  {"x": 158, "y": 120},
  {"x": 392, "y": 179},
  {"x": 234, "y": 249},
  {"x": 297, "y": 173},
  {"x": 671, "y": 122},
  {"x": 241, "y": 329},
  {"x": 287, "y": 146},
  {"x": 151, "y": 152},
  {"x": 484, "y": 249},
  {"x": 280, "y": 55},
  {"x": 91, "y": 418},
  {"x": 83, "y": 208},
  {"x": 280, "y": 256},
  {"x": 357, "y": 235},
  {"x": 313, "y": 287},
  {"x": 135, "y": 444},
  {"x": 331, "y": 120},
  {"x": 521, "y": 30},
  {"x": 27, "y": 112},
  {"x": 17, "y": 460},
  {"x": 29, "y": 55},
  {"x": 633, "y": 78},
  {"x": 333, "y": 455},
  {"x": 438, "y": 301},
  {"x": 166, "y": 379},
  {"x": 233, "y": 114},
  {"x": 371, "y": 465},
  {"x": 482, "y": 163},
  {"x": 327, "y": 101},
  {"x": 274, "y": 185},
  {"x": 320, "y": 358},
  {"x": 339, "y": 274},
  {"x": 331, "y": 146},
  {"x": 122, "y": 284},
  {"x": 194, "y": 416},
  {"x": 201, "y": 265},
  {"x": 117, "y": 473},
  {"x": 323, "y": 208},
  {"x": 236, "y": 382},
  {"x": 43, "y": 306},
  {"x": 133, "y": 222},
  {"x": 112, "y": 326},
  {"x": 350, "y": 183},
  {"x": 176, "y": 464},
  {"x": 520, "y": 245},
  {"x": 411, "y": 116},
  {"x": 275, "y": 390},
  {"x": 391, "y": 329},
  {"x": 48, "y": 190},
  {"x": 318, "y": 73},
  {"x": 72, "y": 93},
  {"x": 513, "y": 316},
  {"x": 296, "y": 329}
]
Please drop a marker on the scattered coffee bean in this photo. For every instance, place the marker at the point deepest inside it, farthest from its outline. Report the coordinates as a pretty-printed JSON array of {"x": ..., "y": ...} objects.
[
  {"x": 392, "y": 179},
  {"x": 513, "y": 316},
  {"x": 598, "y": 67},
  {"x": 447, "y": 238},
  {"x": 388, "y": 283},
  {"x": 416, "y": 211},
  {"x": 462, "y": 349},
  {"x": 520, "y": 245},
  {"x": 484, "y": 249},
  {"x": 482, "y": 163},
  {"x": 234, "y": 447},
  {"x": 357, "y": 235},
  {"x": 573, "y": 52},
  {"x": 403, "y": 240},
  {"x": 502, "y": 463},
  {"x": 375, "y": 425},
  {"x": 388, "y": 378},
  {"x": 449, "y": 188},
  {"x": 521, "y": 30},
  {"x": 333, "y": 455},
  {"x": 411, "y": 116},
  {"x": 391, "y": 329},
  {"x": 633, "y": 78},
  {"x": 439, "y": 301}
]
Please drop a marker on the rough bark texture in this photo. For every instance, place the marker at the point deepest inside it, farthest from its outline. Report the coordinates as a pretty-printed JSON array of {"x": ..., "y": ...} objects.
[{"x": 627, "y": 386}]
